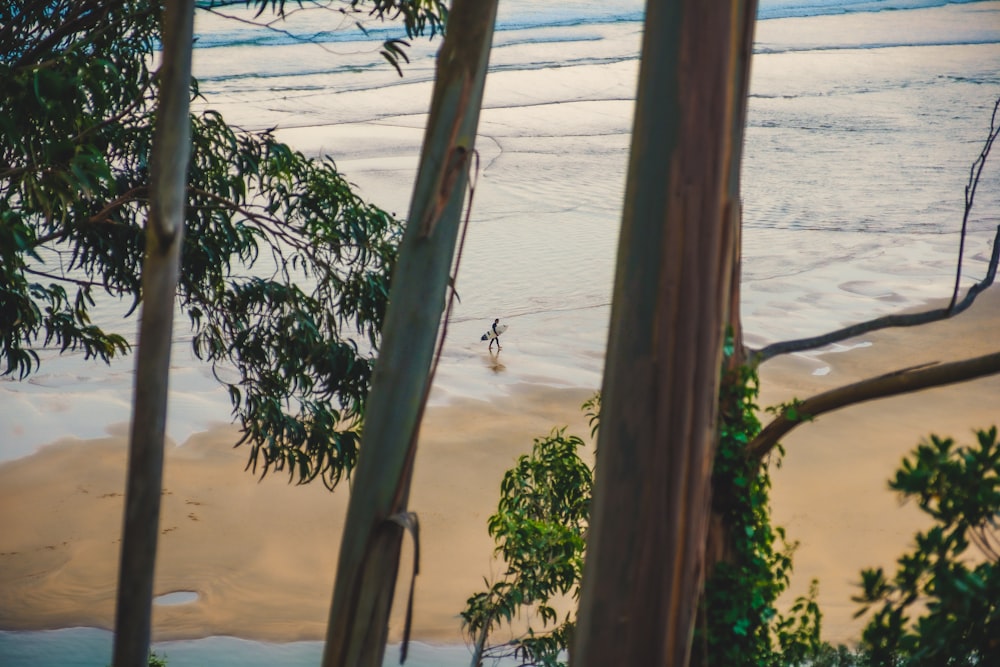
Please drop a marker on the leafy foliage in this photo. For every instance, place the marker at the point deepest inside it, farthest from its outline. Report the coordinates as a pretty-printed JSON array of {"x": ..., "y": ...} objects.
[
  {"x": 536, "y": 535},
  {"x": 839, "y": 656},
  {"x": 68, "y": 150},
  {"x": 955, "y": 594},
  {"x": 539, "y": 527},
  {"x": 285, "y": 272},
  {"x": 742, "y": 624},
  {"x": 418, "y": 17}
]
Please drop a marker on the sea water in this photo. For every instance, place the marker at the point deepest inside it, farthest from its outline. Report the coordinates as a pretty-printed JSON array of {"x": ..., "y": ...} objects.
[
  {"x": 863, "y": 122},
  {"x": 89, "y": 647}
]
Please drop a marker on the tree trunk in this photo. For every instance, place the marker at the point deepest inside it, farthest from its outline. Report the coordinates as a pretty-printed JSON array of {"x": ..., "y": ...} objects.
[
  {"x": 645, "y": 557},
  {"x": 164, "y": 234},
  {"x": 719, "y": 543},
  {"x": 369, "y": 554}
]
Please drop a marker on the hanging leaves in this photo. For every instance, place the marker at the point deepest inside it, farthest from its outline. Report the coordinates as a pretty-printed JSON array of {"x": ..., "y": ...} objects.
[{"x": 284, "y": 271}]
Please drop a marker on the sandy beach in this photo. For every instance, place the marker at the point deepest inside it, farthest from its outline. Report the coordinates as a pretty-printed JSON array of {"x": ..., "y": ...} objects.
[{"x": 261, "y": 554}]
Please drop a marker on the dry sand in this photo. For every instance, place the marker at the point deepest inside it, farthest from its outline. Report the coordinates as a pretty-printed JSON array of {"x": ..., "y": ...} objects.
[{"x": 261, "y": 554}]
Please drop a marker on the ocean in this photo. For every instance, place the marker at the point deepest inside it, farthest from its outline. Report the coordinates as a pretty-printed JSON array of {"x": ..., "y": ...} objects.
[{"x": 863, "y": 122}]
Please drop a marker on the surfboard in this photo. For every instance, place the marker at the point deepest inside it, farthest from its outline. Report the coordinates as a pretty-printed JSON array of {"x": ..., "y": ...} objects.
[{"x": 490, "y": 335}]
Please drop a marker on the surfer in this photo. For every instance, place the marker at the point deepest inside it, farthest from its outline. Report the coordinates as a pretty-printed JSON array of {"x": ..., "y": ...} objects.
[{"x": 496, "y": 334}]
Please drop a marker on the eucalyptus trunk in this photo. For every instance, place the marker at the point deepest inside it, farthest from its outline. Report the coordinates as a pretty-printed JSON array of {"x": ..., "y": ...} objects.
[
  {"x": 164, "y": 235},
  {"x": 377, "y": 514},
  {"x": 645, "y": 560},
  {"x": 719, "y": 541}
]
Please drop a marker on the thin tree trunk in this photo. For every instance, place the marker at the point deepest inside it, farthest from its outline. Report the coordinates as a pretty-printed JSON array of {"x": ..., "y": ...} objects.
[
  {"x": 645, "y": 556},
  {"x": 370, "y": 549},
  {"x": 164, "y": 234}
]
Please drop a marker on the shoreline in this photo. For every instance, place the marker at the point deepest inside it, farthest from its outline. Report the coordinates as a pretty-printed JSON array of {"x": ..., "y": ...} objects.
[{"x": 261, "y": 553}]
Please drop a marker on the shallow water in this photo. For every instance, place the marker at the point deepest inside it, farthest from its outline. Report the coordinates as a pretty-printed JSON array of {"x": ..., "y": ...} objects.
[
  {"x": 88, "y": 647},
  {"x": 862, "y": 126}
]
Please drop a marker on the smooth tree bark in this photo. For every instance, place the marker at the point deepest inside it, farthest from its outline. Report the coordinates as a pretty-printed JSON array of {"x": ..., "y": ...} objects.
[
  {"x": 645, "y": 556},
  {"x": 719, "y": 541},
  {"x": 164, "y": 235},
  {"x": 745, "y": 13},
  {"x": 377, "y": 514}
]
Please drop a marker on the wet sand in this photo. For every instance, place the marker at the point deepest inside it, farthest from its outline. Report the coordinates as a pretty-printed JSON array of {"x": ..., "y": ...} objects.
[{"x": 261, "y": 553}]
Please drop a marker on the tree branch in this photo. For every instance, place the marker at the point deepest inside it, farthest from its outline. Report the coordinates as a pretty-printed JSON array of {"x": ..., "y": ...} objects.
[
  {"x": 63, "y": 278},
  {"x": 970, "y": 194},
  {"x": 903, "y": 381},
  {"x": 898, "y": 320},
  {"x": 757, "y": 357},
  {"x": 314, "y": 39}
]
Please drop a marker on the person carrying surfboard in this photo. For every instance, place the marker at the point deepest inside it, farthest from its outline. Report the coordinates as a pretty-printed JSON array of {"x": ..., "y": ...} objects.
[
  {"x": 493, "y": 333},
  {"x": 496, "y": 333}
]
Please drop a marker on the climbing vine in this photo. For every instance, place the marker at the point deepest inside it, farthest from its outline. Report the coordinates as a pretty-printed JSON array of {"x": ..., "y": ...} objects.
[{"x": 741, "y": 624}]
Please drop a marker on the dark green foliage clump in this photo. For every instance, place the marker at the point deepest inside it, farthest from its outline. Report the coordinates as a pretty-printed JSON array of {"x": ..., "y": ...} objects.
[
  {"x": 952, "y": 591},
  {"x": 285, "y": 271},
  {"x": 539, "y": 527}
]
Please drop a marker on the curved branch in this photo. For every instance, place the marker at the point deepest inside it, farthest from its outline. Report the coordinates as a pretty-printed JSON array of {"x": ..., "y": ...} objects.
[
  {"x": 757, "y": 357},
  {"x": 63, "y": 278},
  {"x": 975, "y": 171},
  {"x": 315, "y": 39},
  {"x": 903, "y": 381},
  {"x": 899, "y": 320}
]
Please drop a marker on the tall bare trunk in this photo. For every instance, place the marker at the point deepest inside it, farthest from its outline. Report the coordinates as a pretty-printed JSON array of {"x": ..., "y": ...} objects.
[
  {"x": 645, "y": 557},
  {"x": 719, "y": 540},
  {"x": 377, "y": 513},
  {"x": 164, "y": 234}
]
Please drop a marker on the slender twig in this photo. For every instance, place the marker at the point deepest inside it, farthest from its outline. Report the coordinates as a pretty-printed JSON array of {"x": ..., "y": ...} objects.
[
  {"x": 758, "y": 357},
  {"x": 138, "y": 192},
  {"x": 891, "y": 384},
  {"x": 313, "y": 39},
  {"x": 62, "y": 278},
  {"x": 980, "y": 536},
  {"x": 975, "y": 171}
]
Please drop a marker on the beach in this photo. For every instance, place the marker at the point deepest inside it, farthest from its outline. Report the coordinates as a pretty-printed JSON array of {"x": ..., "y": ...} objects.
[
  {"x": 260, "y": 554},
  {"x": 861, "y": 128}
]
